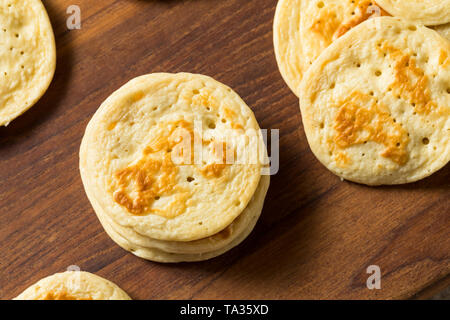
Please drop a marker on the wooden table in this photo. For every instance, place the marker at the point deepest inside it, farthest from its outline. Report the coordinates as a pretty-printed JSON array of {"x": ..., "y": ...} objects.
[{"x": 317, "y": 235}]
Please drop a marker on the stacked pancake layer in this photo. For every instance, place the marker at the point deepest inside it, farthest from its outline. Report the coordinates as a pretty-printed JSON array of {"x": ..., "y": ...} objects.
[
  {"x": 172, "y": 166},
  {"x": 426, "y": 12},
  {"x": 73, "y": 285}
]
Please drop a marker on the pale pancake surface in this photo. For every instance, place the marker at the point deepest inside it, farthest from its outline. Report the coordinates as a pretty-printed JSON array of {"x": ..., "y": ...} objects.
[
  {"x": 427, "y": 12},
  {"x": 126, "y": 157},
  {"x": 376, "y": 104},
  {"x": 303, "y": 29},
  {"x": 73, "y": 285},
  {"x": 27, "y": 56}
]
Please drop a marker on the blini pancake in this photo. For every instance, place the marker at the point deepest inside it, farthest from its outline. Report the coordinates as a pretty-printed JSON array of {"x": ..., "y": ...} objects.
[
  {"x": 376, "y": 104},
  {"x": 27, "y": 56},
  {"x": 73, "y": 285}
]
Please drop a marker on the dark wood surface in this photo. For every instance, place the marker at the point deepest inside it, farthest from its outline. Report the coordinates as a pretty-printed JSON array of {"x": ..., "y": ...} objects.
[{"x": 317, "y": 235}]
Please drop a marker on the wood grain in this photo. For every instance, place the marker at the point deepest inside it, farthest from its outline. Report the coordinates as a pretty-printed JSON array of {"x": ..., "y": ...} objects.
[{"x": 317, "y": 235}]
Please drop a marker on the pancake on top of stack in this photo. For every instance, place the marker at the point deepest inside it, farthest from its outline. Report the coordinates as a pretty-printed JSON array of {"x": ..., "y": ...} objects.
[{"x": 172, "y": 166}]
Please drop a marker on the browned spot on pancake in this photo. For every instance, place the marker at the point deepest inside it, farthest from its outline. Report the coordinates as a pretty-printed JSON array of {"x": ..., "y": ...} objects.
[
  {"x": 219, "y": 149},
  {"x": 326, "y": 25},
  {"x": 443, "y": 58},
  {"x": 229, "y": 114},
  {"x": 62, "y": 295},
  {"x": 361, "y": 119},
  {"x": 138, "y": 186},
  {"x": 330, "y": 27},
  {"x": 237, "y": 126},
  {"x": 112, "y": 125},
  {"x": 342, "y": 159},
  {"x": 363, "y": 11},
  {"x": 410, "y": 82},
  {"x": 141, "y": 184},
  {"x": 205, "y": 99},
  {"x": 138, "y": 96}
]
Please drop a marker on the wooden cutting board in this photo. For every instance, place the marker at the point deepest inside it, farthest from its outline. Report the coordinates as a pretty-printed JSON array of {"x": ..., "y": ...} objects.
[{"x": 317, "y": 235}]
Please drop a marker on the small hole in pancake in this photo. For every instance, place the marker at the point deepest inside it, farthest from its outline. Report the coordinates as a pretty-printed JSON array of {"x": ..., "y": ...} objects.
[
  {"x": 378, "y": 73},
  {"x": 412, "y": 28},
  {"x": 224, "y": 120},
  {"x": 212, "y": 125},
  {"x": 200, "y": 223},
  {"x": 322, "y": 125},
  {"x": 358, "y": 65},
  {"x": 320, "y": 5},
  {"x": 195, "y": 91},
  {"x": 332, "y": 86},
  {"x": 157, "y": 197},
  {"x": 372, "y": 93},
  {"x": 448, "y": 90},
  {"x": 363, "y": 155},
  {"x": 237, "y": 203},
  {"x": 190, "y": 179},
  {"x": 425, "y": 141},
  {"x": 155, "y": 108}
]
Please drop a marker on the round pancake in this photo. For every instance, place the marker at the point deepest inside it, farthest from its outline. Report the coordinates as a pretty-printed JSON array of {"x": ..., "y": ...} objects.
[
  {"x": 376, "y": 103},
  {"x": 303, "y": 29},
  {"x": 427, "y": 12},
  {"x": 27, "y": 56},
  {"x": 127, "y": 157},
  {"x": 203, "y": 249},
  {"x": 444, "y": 30},
  {"x": 73, "y": 285}
]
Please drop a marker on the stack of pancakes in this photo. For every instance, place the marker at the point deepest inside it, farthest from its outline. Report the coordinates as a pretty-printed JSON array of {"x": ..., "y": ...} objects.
[
  {"x": 172, "y": 165},
  {"x": 373, "y": 83}
]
